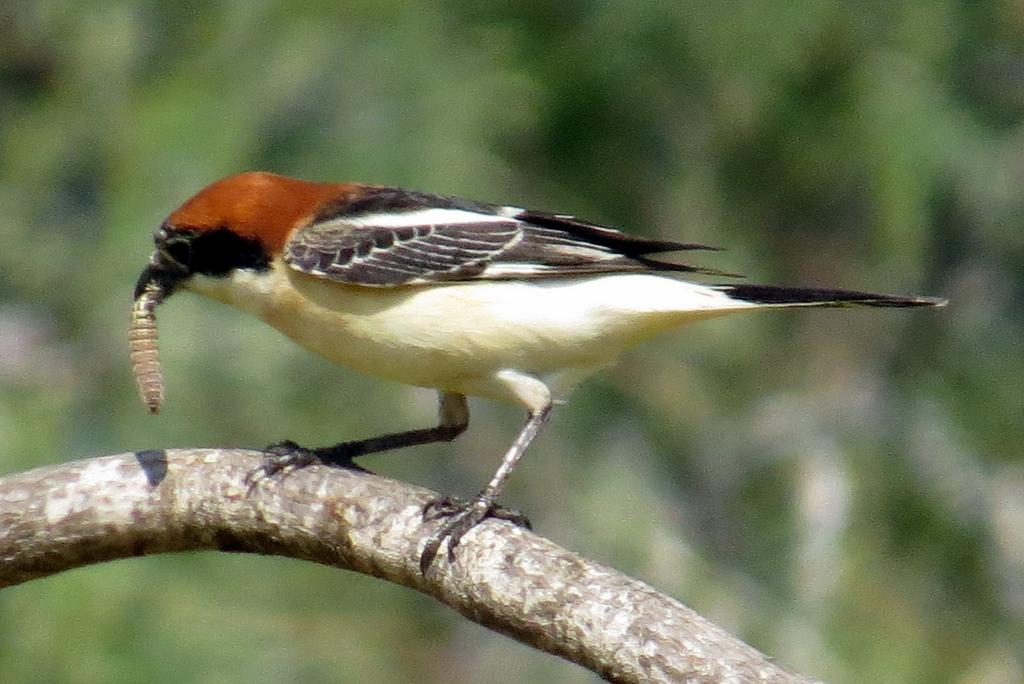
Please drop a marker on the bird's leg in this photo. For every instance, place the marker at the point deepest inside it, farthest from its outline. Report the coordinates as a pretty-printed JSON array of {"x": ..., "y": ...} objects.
[
  {"x": 453, "y": 419},
  {"x": 462, "y": 516}
]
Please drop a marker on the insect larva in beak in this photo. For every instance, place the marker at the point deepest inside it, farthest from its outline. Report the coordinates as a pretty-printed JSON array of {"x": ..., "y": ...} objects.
[{"x": 142, "y": 346}]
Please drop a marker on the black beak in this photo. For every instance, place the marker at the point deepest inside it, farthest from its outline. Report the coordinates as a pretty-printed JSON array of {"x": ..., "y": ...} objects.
[
  {"x": 157, "y": 273},
  {"x": 164, "y": 270},
  {"x": 145, "y": 278}
]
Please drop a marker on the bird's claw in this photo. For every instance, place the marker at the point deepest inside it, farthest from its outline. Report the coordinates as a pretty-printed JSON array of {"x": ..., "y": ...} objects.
[
  {"x": 461, "y": 516},
  {"x": 281, "y": 458},
  {"x": 446, "y": 506}
]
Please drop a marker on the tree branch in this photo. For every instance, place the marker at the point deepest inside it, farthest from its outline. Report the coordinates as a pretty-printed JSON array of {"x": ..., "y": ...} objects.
[{"x": 506, "y": 578}]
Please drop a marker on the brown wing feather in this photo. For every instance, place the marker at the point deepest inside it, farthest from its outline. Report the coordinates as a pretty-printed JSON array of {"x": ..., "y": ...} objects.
[{"x": 384, "y": 256}]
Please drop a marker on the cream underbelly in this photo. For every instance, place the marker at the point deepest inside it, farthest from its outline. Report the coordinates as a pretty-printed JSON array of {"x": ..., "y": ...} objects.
[{"x": 454, "y": 336}]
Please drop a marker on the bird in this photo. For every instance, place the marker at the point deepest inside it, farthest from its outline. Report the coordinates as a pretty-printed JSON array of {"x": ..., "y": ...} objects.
[{"x": 469, "y": 298}]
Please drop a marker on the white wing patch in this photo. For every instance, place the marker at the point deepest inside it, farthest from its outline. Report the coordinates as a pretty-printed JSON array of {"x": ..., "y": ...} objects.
[{"x": 419, "y": 217}]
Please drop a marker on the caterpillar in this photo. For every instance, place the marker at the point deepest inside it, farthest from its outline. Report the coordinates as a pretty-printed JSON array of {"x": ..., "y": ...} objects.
[{"x": 143, "y": 350}]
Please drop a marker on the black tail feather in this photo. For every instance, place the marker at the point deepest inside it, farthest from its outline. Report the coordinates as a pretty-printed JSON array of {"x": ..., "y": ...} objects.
[{"x": 795, "y": 296}]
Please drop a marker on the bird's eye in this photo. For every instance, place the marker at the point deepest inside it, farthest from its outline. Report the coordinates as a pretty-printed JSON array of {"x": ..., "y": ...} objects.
[{"x": 178, "y": 251}]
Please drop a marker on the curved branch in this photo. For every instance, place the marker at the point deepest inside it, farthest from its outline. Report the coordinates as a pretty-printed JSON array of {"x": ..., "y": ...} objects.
[{"x": 65, "y": 516}]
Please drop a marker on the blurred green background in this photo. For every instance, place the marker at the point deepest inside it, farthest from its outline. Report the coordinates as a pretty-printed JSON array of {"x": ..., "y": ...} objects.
[{"x": 843, "y": 489}]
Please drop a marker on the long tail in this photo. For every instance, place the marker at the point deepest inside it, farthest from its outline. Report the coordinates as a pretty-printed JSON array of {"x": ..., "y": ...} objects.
[{"x": 770, "y": 295}]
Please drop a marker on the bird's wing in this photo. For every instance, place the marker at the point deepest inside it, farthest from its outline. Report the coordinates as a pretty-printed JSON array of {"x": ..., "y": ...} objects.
[{"x": 391, "y": 237}]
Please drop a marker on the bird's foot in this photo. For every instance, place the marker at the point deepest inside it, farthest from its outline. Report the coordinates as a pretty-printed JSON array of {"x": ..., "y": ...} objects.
[
  {"x": 287, "y": 457},
  {"x": 461, "y": 516}
]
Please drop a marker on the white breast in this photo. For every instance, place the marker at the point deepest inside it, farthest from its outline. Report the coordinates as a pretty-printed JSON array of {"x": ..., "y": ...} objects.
[{"x": 451, "y": 336}]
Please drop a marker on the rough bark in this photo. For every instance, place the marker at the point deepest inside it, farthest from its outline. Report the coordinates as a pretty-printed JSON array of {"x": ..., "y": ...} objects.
[{"x": 509, "y": 579}]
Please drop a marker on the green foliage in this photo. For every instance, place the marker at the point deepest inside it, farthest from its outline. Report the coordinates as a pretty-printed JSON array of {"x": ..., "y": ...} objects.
[{"x": 843, "y": 489}]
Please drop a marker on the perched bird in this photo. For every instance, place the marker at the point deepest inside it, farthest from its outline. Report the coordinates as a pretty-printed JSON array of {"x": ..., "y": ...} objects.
[{"x": 469, "y": 298}]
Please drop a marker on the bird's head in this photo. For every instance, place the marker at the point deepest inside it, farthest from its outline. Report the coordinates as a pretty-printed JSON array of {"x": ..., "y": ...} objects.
[
  {"x": 241, "y": 221},
  {"x": 238, "y": 222}
]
